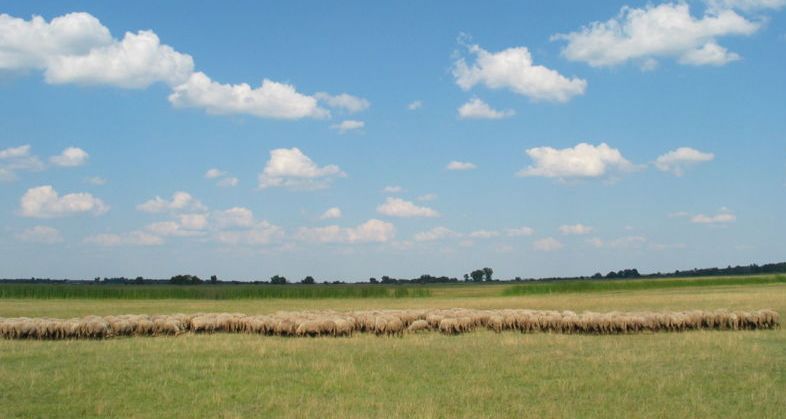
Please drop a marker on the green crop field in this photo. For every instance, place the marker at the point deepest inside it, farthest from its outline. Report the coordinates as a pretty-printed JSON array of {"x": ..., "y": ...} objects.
[{"x": 478, "y": 374}]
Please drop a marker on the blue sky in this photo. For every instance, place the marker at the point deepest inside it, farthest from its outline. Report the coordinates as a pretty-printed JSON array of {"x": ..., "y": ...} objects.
[{"x": 538, "y": 138}]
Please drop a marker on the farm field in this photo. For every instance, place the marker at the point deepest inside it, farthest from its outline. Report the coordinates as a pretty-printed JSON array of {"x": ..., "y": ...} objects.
[{"x": 478, "y": 374}]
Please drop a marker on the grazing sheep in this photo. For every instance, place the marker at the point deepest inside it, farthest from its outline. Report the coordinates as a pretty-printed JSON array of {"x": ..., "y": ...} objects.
[{"x": 418, "y": 326}]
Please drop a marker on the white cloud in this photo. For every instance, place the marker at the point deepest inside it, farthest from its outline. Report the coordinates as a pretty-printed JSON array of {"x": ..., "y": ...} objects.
[
  {"x": 290, "y": 168},
  {"x": 224, "y": 180},
  {"x": 665, "y": 30},
  {"x": 596, "y": 242},
  {"x": 171, "y": 228},
  {"x": 709, "y": 54},
  {"x": 260, "y": 233},
  {"x": 575, "y": 229},
  {"x": 14, "y": 159},
  {"x": 96, "y": 180},
  {"x": 70, "y": 157},
  {"x": 513, "y": 69},
  {"x": 629, "y": 242},
  {"x": 583, "y": 160},
  {"x": 349, "y": 103},
  {"x": 460, "y": 165},
  {"x": 181, "y": 201},
  {"x": 193, "y": 221},
  {"x": 40, "y": 234},
  {"x": 371, "y": 231},
  {"x": 392, "y": 189},
  {"x": 549, "y": 244},
  {"x": 483, "y": 234},
  {"x": 134, "y": 238},
  {"x": 269, "y": 100},
  {"x": 745, "y": 5},
  {"x": 427, "y": 197},
  {"x": 32, "y": 44},
  {"x": 413, "y": 106},
  {"x": 676, "y": 161},
  {"x": 349, "y": 125},
  {"x": 478, "y": 109},
  {"x": 436, "y": 233},
  {"x": 234, "y": 217},
  {"x": 77, "y": 48},
  {"x": 519, "y": 231},
  {"x": 44, "y": 202},
  {"x": 137, "y": 61},
  {"x": 331, "y": 214},
  {"x": 396, "y": 207},
  {"x": 228, "y": 182},
  {"x": 214, "y": 173},
  {"x": 723, "y": 217}
]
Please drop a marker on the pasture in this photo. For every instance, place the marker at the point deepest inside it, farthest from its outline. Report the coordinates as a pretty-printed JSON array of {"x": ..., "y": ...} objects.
[{"x": 703, "y": 373}]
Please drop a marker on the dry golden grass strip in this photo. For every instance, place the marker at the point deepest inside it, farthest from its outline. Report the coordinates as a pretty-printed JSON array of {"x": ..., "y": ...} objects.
[{"x": 387, "y": 323}]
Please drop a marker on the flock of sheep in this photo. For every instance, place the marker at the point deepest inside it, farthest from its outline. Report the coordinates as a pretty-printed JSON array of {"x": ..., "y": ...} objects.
[{"x": 385, "y": 322}]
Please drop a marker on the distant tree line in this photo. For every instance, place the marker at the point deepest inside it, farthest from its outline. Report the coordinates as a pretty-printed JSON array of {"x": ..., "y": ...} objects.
[{"x": 482, "y": 275}]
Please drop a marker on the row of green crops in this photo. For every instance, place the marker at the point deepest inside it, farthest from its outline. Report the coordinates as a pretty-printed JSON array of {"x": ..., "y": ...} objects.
[
  {"x": 210, "y": 292},
  {"x": 549, "y": 287}
]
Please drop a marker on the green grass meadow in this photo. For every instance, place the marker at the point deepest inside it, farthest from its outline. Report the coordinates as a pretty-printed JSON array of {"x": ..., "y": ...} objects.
[{"x": 481, "y": 374}]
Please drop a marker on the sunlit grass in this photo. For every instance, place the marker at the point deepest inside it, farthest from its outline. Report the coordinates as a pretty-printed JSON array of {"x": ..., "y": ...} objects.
[{"x": 693, "y": 374}]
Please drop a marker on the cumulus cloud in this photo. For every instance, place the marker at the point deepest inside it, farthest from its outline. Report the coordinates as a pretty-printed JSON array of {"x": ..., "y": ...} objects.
[
  {"x": 723, "y": 217},
  {"x": 436, "y": 233},
  {"x": 134, "y": 238},
  {"x": 460, "y": 165},
  {"x": 40, "y": 234},
  {"x": 269, "y": 100},
  {"x": 290, "y": 168},
  {"x": 397, "y": 207},
  {"x": 483, "y": 234},
  {"x": 228, "y": 182},
  {"x": 413, "y": 106},
  {"x": 15, "y": 159},
  {"x": 427, "y": 197},
  {"x": 478, "y": 109},
  {"x": 180, "y": 201},
  {"x": 77, "y": 48},
  {"x": 223, "y": 178},
  {"x": 513, "y": 69},
  {"x": 96, "y": 180},
  {"x": 344, "y": 127},
  {"x": 519, "y": 231},
  {"x": 392, "y": 189},
  {"x": 137, "y": 61},
  {"x": 31, "y": 44},
  {"x": 234, "y": 217},
  {"x": 575, "y": 229},
  {"x": 655, "y": 31},
  {"x": 745, "y": 5},
  {"x": 331, "y": 214},
  {"x": 371, "y": 231},
  {"x": 44, "y": 202},
  {"x": 676, "y": 161},
  {"x": 259, "y": 233},
  {"x": 549, "y": 244},
  {"x": 348, "y": 103},
  {"x": 171, "y": 229},
  {"x": 583, "y": 160},
  {"x": 214, "y": 173},
  {"x": 70, "y": 157},
  {"x": 628, "y": 242}
]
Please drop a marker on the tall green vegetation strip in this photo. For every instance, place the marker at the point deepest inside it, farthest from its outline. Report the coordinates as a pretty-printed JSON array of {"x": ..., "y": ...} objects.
[
  {"x": 208, "y": 292},
  {"x": 579, "y": 286}
]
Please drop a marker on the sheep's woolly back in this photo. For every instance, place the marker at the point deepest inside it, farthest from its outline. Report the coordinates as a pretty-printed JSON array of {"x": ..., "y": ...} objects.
[{"x": 386, "y": 323}]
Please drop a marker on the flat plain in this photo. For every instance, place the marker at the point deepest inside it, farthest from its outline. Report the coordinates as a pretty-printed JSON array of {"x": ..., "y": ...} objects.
[{"x": 478, "y": 374}]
